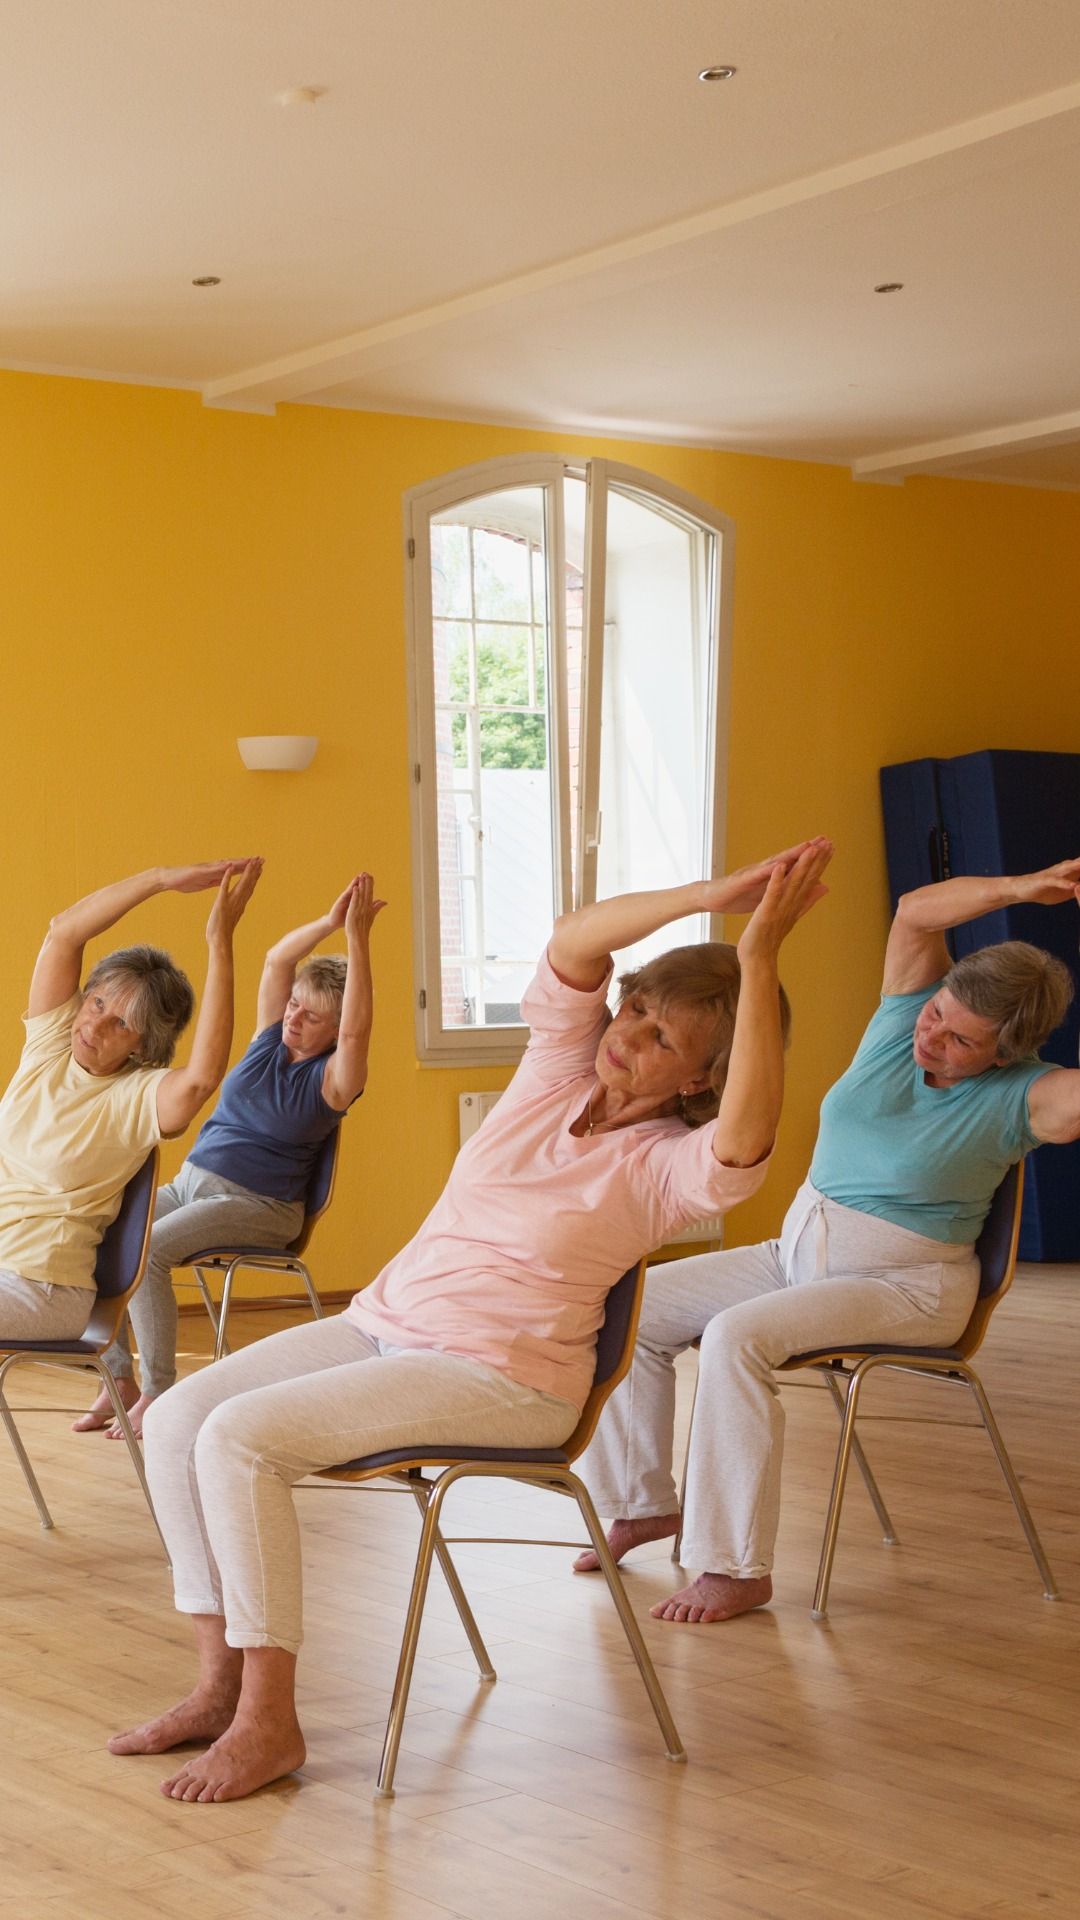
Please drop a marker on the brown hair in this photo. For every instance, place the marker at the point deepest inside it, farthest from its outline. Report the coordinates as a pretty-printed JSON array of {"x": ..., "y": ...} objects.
[
  {"x": 1024, "y": 991},
  {"x": 703, "y": 981},
  {"x": 159, "y": 999},
  {"x": 324, "y": 977}
]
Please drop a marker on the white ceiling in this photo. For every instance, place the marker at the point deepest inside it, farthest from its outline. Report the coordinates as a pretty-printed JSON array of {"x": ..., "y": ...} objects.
[{"x": 532, "y": 211}]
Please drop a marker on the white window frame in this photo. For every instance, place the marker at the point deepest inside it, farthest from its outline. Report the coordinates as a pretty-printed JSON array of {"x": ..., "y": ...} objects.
[{"x": 437, "y": 1045}]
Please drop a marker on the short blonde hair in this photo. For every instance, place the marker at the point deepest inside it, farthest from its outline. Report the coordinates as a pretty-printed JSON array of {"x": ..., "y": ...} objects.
[
  {"x": 702, "y": 981},
  {"x": 159, "y": 999},
  {"x": 324, "y": 977},
  {"x": 1023, "y": 990}
]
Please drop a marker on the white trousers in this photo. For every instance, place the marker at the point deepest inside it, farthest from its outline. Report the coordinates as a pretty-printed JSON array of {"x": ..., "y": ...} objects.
[
  {"x": 833, "y": 1276},
  {"x": 225, "y": 1447}
]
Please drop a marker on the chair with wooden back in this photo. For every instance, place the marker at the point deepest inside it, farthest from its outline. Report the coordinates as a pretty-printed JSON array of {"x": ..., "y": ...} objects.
[
  {"x": 230, "y": 1259},
  {"x": 996, "y": 1250},
  {"x": 118, "y": 1270},
  {"x": 548, "y": 1468}
]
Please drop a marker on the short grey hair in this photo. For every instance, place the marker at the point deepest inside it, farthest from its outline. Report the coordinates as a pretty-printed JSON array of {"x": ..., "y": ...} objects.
[
  {"x": 324, "y": 977},
  {"x": 1023, "y": 990},
  {"x": 159, "y": 1000}
]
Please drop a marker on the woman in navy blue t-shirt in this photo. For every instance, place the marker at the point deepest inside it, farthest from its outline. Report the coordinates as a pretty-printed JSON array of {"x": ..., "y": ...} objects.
[{"x": 245, "y": 1180}]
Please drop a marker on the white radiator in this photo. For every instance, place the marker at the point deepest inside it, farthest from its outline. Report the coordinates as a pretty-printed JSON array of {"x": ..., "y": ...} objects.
[{"x": 473, "y": 1109}]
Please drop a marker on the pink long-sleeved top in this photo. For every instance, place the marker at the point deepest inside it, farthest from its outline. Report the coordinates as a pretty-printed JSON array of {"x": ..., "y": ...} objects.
[{"x": 513, "y": 1263}]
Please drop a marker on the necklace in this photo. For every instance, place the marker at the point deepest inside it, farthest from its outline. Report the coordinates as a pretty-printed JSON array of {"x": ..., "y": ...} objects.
[{"x": 589, "y": 1120}]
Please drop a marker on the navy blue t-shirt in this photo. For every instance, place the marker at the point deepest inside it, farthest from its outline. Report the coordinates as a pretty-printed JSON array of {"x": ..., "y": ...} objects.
[{"x": 270, "y": 1121}]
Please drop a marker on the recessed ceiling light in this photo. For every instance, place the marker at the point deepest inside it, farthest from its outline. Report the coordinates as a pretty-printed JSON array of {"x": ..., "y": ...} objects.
[
  {"x": 718, "y": 73},
  {"x": 207, "y": 280},
  {"x": 299, "y": 96},
  {"x": 890, "y": 286}
]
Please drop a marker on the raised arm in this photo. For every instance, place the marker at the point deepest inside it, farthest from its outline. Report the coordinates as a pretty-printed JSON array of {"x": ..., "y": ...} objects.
[
  {"x": 58, "y": 969},
  {"x": 279, "y": 967},
  {"x": 917, "y": 955},
  {"x": 345, "y": 1072},
  {"x": 754, "y": 1090},
  {"x": 185, "y": 1089},
  {"x": 582, "y": 944}
]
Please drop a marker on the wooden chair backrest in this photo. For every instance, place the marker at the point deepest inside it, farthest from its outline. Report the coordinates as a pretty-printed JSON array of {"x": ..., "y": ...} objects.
[
  {"x": 320, "y": 1189},
  {"x": 122, "y": 1253},
  {"x": 614, "y": 1352},
  {"x": 996, "y": 1249}
]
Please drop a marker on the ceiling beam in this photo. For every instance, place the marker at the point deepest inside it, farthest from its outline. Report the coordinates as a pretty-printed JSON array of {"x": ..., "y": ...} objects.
[
  {"x": 1022, "y": 436},
  {"x": 605, "y": 270}
]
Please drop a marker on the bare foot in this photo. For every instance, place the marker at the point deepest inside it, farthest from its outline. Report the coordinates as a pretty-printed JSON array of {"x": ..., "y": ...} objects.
[
  {"x": 714, "y": 1596},
  {"x": 248, "y": 1756},
  {"x": 135, "y": 1411},
  {"x": 624, "y": 1534},
  {"x": 101, "y": 1413},
  {"x": 205, "y": 1715}
]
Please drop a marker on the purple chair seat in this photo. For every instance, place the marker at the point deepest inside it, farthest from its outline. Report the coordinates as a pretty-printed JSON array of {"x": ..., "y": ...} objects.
[{"x": 426, "y": 1456}]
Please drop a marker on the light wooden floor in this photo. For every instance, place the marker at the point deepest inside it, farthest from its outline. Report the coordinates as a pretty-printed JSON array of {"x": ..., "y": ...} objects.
[{"x": 918, "y": 1755}]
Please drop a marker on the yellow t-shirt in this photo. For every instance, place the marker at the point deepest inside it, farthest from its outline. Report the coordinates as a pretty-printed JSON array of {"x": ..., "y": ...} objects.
[{"x": 69, "y": 1143}]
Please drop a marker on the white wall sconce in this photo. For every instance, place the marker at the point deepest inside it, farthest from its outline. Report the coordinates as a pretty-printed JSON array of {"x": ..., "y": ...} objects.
[{"x": 277, "y": 752}]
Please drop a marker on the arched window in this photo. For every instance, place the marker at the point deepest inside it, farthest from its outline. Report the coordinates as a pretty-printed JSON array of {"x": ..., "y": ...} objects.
[{"x": 569, "y": 652}]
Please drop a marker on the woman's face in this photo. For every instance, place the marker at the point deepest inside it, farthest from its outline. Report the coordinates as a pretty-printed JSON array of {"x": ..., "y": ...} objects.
[
  {"x": 102, "y": 1041},
  {"x": 951, "y": 1043},
  {"x": 648, "y": 1055},
  {"x": 306, "y": 1027}
]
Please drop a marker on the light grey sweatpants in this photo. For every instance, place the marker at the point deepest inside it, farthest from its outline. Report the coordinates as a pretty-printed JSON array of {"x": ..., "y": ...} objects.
[
  {"x": 225, "y": 1448},
  {"x": 36, "y": 1310},
  {"x": 198, "y": 1209},
  {"x": 833, "y": 1276}
]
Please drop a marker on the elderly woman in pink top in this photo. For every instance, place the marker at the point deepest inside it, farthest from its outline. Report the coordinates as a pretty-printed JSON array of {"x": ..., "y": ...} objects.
[{"x": 613, "y": 1134}]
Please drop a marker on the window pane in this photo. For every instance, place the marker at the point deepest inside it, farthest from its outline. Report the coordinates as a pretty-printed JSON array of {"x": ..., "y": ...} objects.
[
  {"x": 657, "y": 707},
  {"x": 501, "y": 574},
  {"x": 502, "y": 666},
  {"x": 496, "y": 884},
  {"x": 451, "y": 578}
]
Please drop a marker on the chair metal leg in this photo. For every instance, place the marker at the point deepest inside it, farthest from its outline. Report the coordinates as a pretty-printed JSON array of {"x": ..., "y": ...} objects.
[
  {"x": 1050, "y": 1590},
  {"x": 889, "y": 1533},
  {"x": 836, "y": 1497},
  {"x": 577, "y": 1488},
  {"x": 108, "y": 1381},
  {"x": 384, "y": 1789},
  {"x": 20, "y": 1451},
  {"x": 207, "y": 1298},
  {"x": 457, "y": 1592},
  {"x": 221, "y": 1346},
  {"x": 317, "y": 1307},
  {"x": 676, "y": 1545}
]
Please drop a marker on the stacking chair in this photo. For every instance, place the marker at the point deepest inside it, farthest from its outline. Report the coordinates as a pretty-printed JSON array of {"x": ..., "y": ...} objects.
[
  {"x": 996, "y": 1249},
  {"x": 548, "y": 1468},
  {"x": 121, "y": 1261},
  {"x": 229, "y": 1259}
]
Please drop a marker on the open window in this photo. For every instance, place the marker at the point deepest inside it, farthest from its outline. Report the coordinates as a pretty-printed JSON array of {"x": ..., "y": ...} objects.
[{"x": 569, "y": 626}]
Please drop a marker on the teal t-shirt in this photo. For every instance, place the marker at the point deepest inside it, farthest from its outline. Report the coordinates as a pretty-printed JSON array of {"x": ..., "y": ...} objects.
[{"x": 926, "y": 1158}]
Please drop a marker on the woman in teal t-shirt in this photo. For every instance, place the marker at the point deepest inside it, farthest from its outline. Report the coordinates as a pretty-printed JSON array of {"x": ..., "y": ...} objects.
[{"x": 945, "y": 1092}]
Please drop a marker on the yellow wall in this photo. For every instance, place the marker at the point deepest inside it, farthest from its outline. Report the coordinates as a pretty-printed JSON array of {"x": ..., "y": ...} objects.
[{"x": 173, "y": 577}]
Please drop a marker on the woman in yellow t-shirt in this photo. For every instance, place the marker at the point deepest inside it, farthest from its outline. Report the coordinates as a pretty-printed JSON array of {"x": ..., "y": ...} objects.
[{"x": 94, "y": 1090}]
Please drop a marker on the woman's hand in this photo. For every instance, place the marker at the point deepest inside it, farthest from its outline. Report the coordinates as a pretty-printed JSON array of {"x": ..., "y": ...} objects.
[
  {"x": 237, "y": 885},
  {"x": 335, "y": 919},
  {"x": 363, "y": 908},
  {"x": 1052, "y": 886},
  {"x": 743, "y": 890},
  {"x": 790, "y": 891},
  {"x": 195, "y": 879}
]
